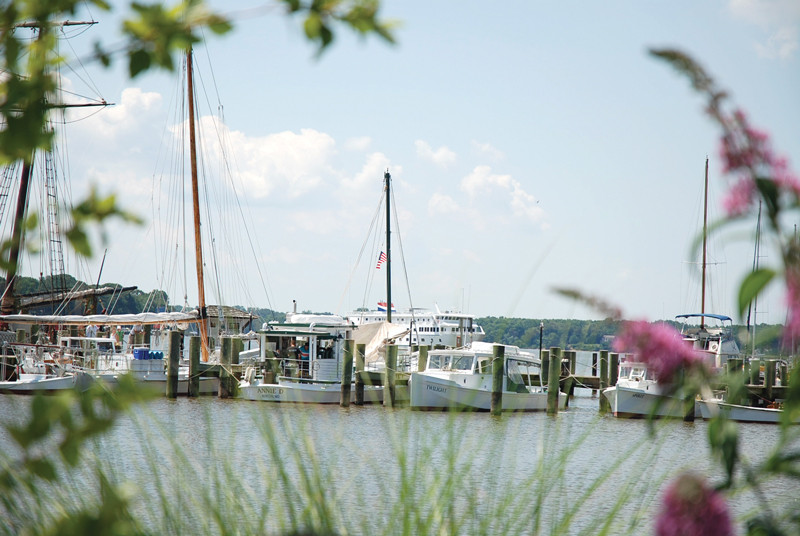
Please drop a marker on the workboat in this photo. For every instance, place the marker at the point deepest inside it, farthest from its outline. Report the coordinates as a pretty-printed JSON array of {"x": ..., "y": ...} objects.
[
  {"x": 709, "y": 408},
  {"x": 300, "y": 361},
  {"x": 462, "y": 379},
  {"x": 715, "y": 343},
  {"x": 638, "y": 394}
]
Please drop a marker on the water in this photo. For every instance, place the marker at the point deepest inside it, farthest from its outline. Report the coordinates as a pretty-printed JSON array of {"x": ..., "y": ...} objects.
[{"x": 356, "y": 454}]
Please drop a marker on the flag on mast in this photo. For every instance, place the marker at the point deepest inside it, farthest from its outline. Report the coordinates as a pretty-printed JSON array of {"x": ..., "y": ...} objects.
[{"x": 381, "y": 260}]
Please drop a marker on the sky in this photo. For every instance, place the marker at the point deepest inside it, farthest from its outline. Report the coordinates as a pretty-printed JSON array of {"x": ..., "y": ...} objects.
[{"x": 532, "y": 145}]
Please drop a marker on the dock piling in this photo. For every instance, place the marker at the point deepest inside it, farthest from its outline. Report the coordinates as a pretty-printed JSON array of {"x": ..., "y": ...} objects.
[
  {"x": 422, "y": 360},
  {"x": 594, "y": 369},
  {"x": 173, "y": 363},
  {"x": 498, "y": 364},
  {"x": 389, "y": 384},
  {"x": 604, "y": 405},
  {"x": 347, "y": 372},
  {"x": 769, "y": 379},
  {"x": 226, "y": 378},
  {"x": 361, "y": 350},
  {"x": 553, "y": 379},
  {"x": 194, "y": 366},
  {"x": 545, "y": 366},
  {"x": 613, "y": 374}
]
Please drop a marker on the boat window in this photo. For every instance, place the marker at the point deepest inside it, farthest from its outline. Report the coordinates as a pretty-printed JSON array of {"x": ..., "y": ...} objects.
[
  {"x": 435, "y": 361},
  {"x": 651, "y": 375},
  {"x": 514, "y": 373},
  {"x": 462, "y": 362},
  {"x": 484, "y": 366},
  {"x": 625, "y": 372}
]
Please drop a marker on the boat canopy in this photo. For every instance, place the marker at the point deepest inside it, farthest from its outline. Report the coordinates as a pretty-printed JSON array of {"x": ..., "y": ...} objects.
[
  {"x": 126, "y": 319},
  {"x": 722, "y": 318}
]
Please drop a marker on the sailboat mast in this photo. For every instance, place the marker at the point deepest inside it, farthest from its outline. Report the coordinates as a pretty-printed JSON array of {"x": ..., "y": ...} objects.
[
  {"x": 198, "y": 245},
  {"x": 705, "y": 238},
  {"x": 7, "y": 307},
  {"x": 754, "y": 305},
  {"x": 388, "y": 179}
]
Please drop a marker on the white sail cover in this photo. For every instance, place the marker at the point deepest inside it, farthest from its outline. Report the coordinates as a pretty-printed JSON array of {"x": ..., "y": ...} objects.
[
  {"x": 375, "y": 336},
  {"x": 126, "y": 319}
]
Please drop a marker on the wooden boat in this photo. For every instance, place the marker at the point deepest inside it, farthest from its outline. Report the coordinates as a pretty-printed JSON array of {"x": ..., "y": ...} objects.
[{"x": 712, "y": 407}]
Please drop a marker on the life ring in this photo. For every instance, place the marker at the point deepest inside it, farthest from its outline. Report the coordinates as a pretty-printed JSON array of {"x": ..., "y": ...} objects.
[{"x": 713, "y": 346}]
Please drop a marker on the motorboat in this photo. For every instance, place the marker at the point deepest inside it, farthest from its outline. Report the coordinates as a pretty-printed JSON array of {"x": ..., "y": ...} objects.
[
  {"x": 709, "y": 408},
  {"x": 462, "y": 379},
  {"x": 638, "y": 394}
]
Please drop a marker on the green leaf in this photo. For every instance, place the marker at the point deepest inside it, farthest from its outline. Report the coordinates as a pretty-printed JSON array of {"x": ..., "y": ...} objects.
[
  {"x": 42, "y": 467},
  {"x": 79, "y": 241},
  {"x": 139, "y": 61},
  {"x": 723, "y": 437},
  {"x": 752, "y": 285}
]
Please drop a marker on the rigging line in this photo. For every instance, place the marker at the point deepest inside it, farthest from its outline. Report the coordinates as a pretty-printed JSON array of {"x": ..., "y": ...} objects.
[
  {"x": 377, "y": 244},
  {"x": 65, "y": 122},
  {"x": 91, "y": 82},
  {"x": 360, "y": 254},
  {"x": 403, "y": 262},
  {"x": 210, "y": 66}
]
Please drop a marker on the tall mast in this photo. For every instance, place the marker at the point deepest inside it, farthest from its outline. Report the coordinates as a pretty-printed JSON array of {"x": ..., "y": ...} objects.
[
  {"x": 388, "y": 246},
  {"x": 705, "y": 237},
  {"x": 7, "y": 307},
  {"x": 754, "y": 305},
  {"x": 198, "y": 245}
]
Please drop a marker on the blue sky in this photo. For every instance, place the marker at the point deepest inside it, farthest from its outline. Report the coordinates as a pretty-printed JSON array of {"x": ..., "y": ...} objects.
[{"x": 533, "y": 145}]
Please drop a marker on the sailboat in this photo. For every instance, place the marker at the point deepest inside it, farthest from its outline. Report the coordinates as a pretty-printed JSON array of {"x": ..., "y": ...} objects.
[{"x": 638, "y": 392}]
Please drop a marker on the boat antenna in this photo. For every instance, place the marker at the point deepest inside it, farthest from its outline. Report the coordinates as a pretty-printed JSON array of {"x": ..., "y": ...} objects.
[
  {"x": 388, "y": 183},
  {"x": 705, "y": 237},
  {"x": 198, "y": 246}
]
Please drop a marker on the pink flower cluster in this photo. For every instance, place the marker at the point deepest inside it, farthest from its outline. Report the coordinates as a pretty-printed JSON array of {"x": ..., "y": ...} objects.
[
  {"x": 690, "y": 508},
  {"x": 659, "y": 346},
  {"x": 748, "y": 153}
]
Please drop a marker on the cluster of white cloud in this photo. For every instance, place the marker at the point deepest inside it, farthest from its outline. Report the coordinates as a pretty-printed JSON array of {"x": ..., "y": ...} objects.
[
  {"x": 780, "y": 18},
  {"x": 488, "y": 150},
  {"x": 442, "y": 156}
]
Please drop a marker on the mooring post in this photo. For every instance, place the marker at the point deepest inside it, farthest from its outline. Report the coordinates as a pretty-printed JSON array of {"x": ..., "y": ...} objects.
[
  {"x": 347, "y": 372},
  {"x": 573, "y": 362},
  {"x": 498, "y": 367},
  {"x": 784, "y": 374},
  {"x": 553, "y": 379},
  {"x": 20, "y": 335},
  {"x": 613, "y": 374},
  {"x": 422, "y": 360},
  {"x": 172, "y": 364},
  {"x": 594, "y": 369},
  {"x": 755, "y": 372},
  {"x": 361, "y": 350},
  {"x": 225, "y": 374},
  {"x": 544, "y": 368},
  {"x": 389, "y": 378},
  {"x": 604, "y": 405},
  {"x": 194, "y": 366},
  {"x": 769, "y": 379}
]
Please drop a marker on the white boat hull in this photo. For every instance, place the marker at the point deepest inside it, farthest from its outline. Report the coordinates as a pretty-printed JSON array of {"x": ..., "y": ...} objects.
[
  {"x": 39, "y": 383},
  {"x": 710, "y": 408},
  {"x": 633, "y": 403},
  {"x": 434, "y": 393},
  {"x": 313, "y": 393}
]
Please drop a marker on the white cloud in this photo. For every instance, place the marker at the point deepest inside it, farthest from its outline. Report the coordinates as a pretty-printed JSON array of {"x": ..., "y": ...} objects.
[
  {"x": 360, "y": 143},
  {"x": 780, "y": 44},
  {"x": 442, "y": 156},
  {"x": 780, "y": 18},
  {"x": 286, "y": 163},
  {"x": 471, "y": 256},
  {"x": 442, "y": 204},
  {"x": 488, "y": 149},
  {"x": 371, "y": 173},
  {"x": 481, "y": 179}
]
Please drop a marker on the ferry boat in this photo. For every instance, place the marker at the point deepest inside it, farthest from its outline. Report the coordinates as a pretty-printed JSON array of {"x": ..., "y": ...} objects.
[
  {"x": 432, "y": 328},
  {"x": 462, "y": 379}
]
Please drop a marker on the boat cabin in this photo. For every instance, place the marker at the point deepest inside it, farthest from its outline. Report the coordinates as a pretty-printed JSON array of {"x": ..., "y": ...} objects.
[
  {"x": 305, "y": 351},
  {"x": 475, "y": 363},
  {"x": 712, "y": 335}
]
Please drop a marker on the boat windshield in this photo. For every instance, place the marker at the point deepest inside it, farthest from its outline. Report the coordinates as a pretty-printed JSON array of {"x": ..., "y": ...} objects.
[
  {"x": 625, "y": 372},
  {"x": 514, "y": 374},
  {"x": 461, "y": 362},
  {"x": 436, "y": 361}
]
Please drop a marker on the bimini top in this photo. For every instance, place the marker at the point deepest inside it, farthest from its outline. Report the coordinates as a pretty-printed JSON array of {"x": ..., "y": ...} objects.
[{"x": 722, "y": 318}]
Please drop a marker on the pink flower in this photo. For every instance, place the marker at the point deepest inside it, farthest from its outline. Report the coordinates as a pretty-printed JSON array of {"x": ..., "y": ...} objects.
[
  {"x": 659, "y": 346},
  {"x": 690, "y": 508},
  {"x": 740, "y": 197}
]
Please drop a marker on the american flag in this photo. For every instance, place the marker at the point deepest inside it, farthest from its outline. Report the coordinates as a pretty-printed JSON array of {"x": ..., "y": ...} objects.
[{"x": 381, "y": 260}]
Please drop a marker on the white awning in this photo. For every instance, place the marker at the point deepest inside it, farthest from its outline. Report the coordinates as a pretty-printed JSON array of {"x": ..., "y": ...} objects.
[
  {"x": 375, "y": 336},
  {"x": 127, "y": 319}
]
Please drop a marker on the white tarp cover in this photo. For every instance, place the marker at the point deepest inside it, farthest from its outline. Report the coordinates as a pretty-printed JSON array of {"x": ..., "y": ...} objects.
[
  {"x": 374, "y": 336},
  {"x": 141, "y": 318}
]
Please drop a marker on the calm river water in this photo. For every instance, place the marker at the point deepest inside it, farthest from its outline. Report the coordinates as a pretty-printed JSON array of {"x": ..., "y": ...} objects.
[{"x": 365, "y": 461}]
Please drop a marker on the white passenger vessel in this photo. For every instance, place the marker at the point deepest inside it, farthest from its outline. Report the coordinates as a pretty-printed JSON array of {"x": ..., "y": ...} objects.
[
  {"x": 462, "y": 379},
  {"x": 431, "y": 328}
]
